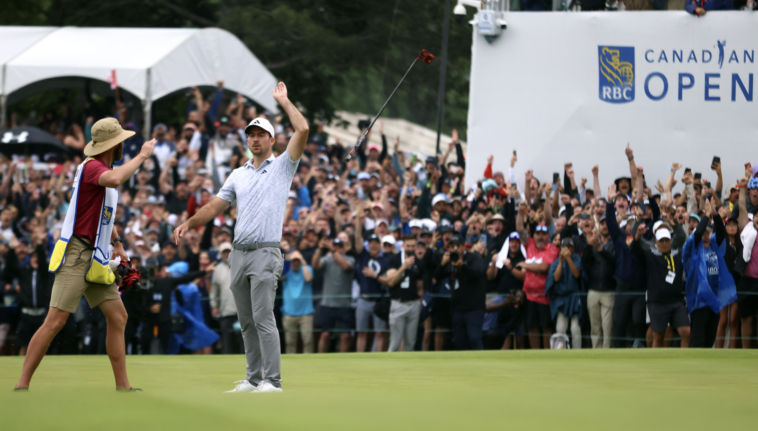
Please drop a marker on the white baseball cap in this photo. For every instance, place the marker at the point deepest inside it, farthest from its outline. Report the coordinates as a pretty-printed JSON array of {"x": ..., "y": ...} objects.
[
  {"x": 440, "y": 197},
  {"x": 388, "y": 239},
  {"x": 661, "y": 234},
  {"x": 262, "y": 123}
]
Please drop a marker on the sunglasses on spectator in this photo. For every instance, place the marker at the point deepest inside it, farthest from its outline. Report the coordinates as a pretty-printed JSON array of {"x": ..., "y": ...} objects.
[{"x": 540, "y": 229}]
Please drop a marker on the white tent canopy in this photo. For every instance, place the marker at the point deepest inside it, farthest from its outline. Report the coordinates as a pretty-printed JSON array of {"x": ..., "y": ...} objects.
[{"x": 149, "y": 63}]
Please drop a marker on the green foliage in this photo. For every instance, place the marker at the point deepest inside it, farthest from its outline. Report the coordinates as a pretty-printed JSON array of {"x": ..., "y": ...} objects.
[{"x": 333, "y": 54}]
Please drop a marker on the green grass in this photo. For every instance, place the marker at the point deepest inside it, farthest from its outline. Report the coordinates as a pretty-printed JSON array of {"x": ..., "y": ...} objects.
[{"x": 535, "y": 390}]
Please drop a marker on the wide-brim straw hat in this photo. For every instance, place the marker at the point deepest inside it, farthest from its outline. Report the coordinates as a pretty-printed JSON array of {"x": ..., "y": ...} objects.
[{"x": 106, "y": 134}]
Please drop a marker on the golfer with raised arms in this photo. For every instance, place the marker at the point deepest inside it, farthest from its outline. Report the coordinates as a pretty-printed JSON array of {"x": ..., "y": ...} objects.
[{"x": 261, "y": 188}]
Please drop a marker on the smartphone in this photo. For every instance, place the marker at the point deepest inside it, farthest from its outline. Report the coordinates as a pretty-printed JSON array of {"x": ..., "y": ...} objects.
[
  {"x": 514, "y": 152},
  {"x": 698, "y": 175},
  {"x": 707, "y": 184},
  {"x": 687, "y": 170},
  {"x": 716, "y": 159},
  {"x": 584, "y": 216},
  {"x": 556, "y": 177}
]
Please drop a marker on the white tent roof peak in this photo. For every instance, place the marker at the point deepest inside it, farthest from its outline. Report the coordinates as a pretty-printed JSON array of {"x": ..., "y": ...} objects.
[{"x": 172, "y": 59}]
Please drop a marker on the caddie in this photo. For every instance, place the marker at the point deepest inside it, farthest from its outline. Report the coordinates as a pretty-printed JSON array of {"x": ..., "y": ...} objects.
[{"x": 81, "y": 255}]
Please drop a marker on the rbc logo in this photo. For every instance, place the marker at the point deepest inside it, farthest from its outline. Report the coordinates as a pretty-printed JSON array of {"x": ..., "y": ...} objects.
[
  {"x": 107, "y": 213},
  {"x": 616, "y": 75}
]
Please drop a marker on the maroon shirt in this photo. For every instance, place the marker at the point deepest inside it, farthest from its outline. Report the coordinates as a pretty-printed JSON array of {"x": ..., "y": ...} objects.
[{"x": 90, "y": 201}]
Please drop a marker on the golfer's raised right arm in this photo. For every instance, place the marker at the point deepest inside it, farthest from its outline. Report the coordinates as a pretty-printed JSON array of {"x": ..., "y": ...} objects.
[{"x": 203, "y": 216}]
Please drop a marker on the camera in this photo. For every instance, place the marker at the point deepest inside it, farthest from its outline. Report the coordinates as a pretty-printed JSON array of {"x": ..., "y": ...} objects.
[
  {"x": 460, "y": 13},
  {"x": 454, "y": 256}
]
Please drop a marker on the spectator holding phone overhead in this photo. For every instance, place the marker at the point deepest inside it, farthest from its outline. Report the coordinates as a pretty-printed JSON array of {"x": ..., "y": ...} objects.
[{"x": 710, "y": 286}]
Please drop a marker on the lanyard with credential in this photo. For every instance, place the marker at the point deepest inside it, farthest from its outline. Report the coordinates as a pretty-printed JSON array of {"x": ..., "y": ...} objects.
[{"x": 670, "y": 262}]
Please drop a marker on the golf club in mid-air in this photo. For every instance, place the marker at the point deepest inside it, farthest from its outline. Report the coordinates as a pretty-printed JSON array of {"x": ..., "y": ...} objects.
[{"x": 427, "y": 58}]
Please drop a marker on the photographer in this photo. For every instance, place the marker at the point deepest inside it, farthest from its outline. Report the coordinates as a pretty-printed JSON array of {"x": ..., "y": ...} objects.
[
  {"x": 599, "y": 262},
  {"x": 371, "y": 263},
  {"x": 465, "y": 272},
  {"x": 406, "y": 282},
  {"x": 509, "y": 308},
  {"x": 33, "y": 288},
  {"x": 562, "y": 286},
  {"x": 157, "y": 321},
  {"x": 336, "y": 312}
]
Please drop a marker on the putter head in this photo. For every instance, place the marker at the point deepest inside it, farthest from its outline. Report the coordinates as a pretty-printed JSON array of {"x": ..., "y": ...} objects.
[{"x": 426, "y": 56}]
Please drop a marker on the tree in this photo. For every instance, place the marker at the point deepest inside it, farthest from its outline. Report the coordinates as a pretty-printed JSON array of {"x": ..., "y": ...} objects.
[{"x": 333, "y": 54}]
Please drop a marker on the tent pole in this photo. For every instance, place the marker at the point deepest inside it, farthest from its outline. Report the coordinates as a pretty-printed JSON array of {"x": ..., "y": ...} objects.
[
  {"x": 147, "y": 107},
  {"x": 2, "y": 111},
  {"x": 3, "y": 99}
]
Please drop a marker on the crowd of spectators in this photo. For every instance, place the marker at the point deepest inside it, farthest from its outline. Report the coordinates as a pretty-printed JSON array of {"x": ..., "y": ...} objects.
[
  {"x": 695, "y": 7},
  {"x": 389, "y": 250}
]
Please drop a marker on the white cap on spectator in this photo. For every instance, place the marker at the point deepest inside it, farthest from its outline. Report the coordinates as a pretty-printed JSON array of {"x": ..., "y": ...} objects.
[
  {"x": 661, "y": 223},
  {"x": 225, "y": 246},
  {"x": 429, "y": 223},
  {"x": 381, "y": 220},
  {"x": 262, "y": 123},
  {"x": 415, "y": 223},
  {"x": 661, "y": 234},
  {"x": 172, "y": 219},
  {"x": 388, "y": 239},
  {"x": 363, "y": 176},
  {"x": 439, "y": 198}
]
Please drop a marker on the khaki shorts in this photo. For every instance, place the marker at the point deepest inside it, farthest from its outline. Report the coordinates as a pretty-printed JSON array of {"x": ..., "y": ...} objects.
[{"x": 70, "y": 285}]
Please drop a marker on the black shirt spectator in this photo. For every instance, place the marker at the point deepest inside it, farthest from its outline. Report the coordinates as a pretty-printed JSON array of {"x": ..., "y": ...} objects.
[
  {"x": 407, "y": 289},
  {"x": 34, "y": 284}
]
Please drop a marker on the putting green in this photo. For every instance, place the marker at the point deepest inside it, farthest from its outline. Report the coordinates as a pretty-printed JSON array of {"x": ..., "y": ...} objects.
[{"x": 559, "y": 390}]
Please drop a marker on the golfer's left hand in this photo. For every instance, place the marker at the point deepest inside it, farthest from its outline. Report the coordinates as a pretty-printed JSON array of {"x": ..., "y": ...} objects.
[{"x": 280, "y": 93}]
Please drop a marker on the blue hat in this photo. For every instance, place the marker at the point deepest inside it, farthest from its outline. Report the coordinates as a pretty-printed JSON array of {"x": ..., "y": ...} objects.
[
  {"x": 695, "y": 216},
  {"x": 178, "y": 269}
]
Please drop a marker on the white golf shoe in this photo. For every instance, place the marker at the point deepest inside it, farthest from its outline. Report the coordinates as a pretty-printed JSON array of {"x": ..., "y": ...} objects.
[
  {"x": 242, "y": 386},
  {"x": 267, "y": 387}
]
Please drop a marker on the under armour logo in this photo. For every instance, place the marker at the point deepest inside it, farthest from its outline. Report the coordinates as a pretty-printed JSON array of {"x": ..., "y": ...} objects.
[{"x": 20, "y": 138}]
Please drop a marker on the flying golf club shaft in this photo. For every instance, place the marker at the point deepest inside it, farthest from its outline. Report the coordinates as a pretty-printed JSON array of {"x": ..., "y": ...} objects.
[{"x": 368, "y": 129}]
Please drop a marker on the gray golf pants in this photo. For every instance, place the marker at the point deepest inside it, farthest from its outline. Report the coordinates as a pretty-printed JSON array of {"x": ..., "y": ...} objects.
[
  {"x": 404, "y": 324},
  {"x": 254, "y": 277}
]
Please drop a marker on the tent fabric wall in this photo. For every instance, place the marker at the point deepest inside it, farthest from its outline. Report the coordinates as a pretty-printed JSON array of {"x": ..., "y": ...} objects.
[
  {"x": 149, "y": 63},
  {"x": 14, "y": 40}
]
